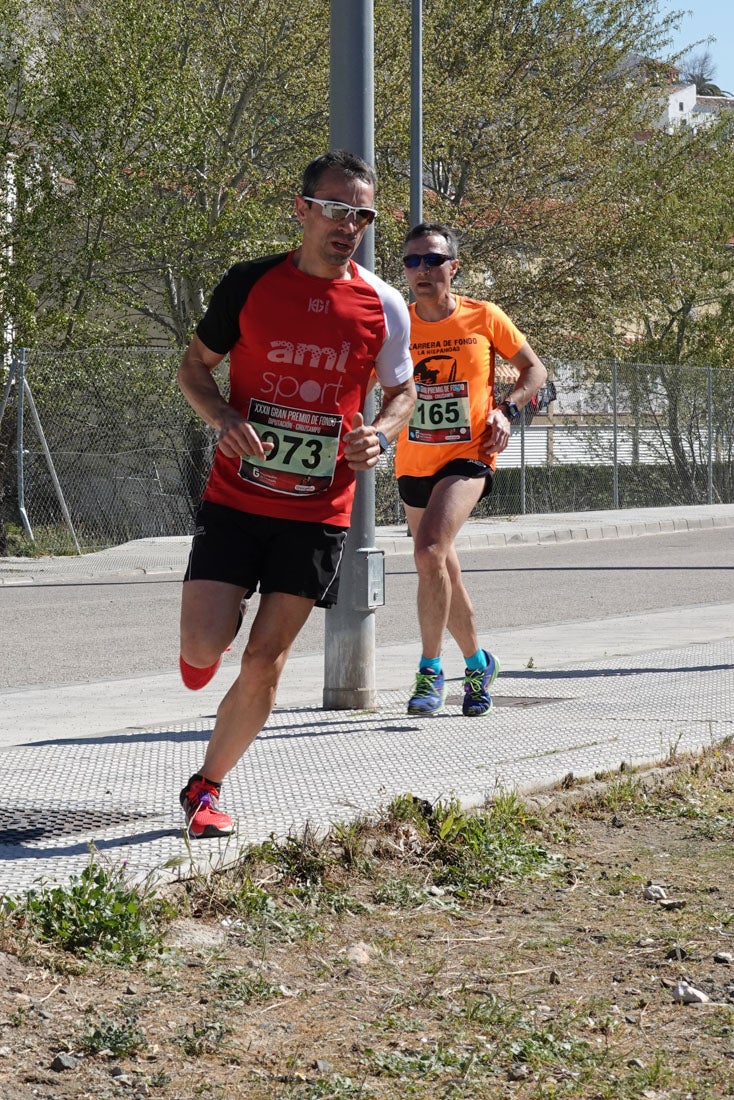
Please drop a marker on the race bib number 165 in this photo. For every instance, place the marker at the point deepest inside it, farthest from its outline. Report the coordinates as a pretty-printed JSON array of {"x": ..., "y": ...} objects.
[{"x": 441, "y": 413}]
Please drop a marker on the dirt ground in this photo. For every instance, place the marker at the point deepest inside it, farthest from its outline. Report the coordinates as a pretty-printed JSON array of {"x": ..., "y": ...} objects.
[{"x": 384, "y": 985}]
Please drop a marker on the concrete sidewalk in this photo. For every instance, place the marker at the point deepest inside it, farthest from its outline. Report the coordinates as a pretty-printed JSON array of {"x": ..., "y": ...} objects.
[{"x": 630, "y": 689}]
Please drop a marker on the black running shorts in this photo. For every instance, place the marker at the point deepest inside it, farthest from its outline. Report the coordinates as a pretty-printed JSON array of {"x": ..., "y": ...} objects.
[
  {"x": 416, "y": 491},
  {"x": 265, "y": 554}
]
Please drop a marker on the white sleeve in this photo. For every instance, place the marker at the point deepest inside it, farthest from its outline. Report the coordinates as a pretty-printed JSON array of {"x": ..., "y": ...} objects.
[{"x": 393, "y": 364}]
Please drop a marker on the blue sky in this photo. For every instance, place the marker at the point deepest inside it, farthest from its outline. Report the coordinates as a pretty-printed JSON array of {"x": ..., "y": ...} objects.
[{"x": 709, "y": 17}]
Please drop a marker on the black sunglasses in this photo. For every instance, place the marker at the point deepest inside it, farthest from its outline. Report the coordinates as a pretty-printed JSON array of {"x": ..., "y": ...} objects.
[
  {"x": 338, "y": 211},
  {"x": 430, "y": 259}
]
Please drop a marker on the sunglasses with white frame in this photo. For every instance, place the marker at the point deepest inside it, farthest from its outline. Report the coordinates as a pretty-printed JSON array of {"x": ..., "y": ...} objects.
[{"x": 339, "y": 211}]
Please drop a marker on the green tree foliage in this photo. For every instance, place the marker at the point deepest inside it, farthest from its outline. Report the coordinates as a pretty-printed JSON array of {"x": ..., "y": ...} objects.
[
  {"x": 541, "y": 147},
  {"x": 171, "y": 135},
  {"x": 19, "y": 167}
]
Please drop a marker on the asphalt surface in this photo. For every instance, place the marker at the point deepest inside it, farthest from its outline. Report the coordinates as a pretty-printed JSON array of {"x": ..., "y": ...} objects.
[{"x": 102, "y": 761}]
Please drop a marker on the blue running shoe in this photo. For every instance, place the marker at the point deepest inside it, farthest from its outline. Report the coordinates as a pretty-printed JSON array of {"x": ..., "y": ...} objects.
[
  {"x": 429, "y": 695},
  {"x": 477, "y": 682}
]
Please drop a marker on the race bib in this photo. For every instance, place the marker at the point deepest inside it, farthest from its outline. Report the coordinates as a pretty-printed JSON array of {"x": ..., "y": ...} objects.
[
  {"x": 303, "y": 457},
  {"x": 441, "y": 413}
]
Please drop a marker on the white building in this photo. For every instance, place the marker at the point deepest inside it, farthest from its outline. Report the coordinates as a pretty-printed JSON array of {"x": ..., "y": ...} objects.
[{"x": 685, "y": 108}]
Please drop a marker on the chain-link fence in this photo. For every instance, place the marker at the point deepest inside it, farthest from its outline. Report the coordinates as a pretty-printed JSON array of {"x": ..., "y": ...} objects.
[
  {"x": 112, "y": 450},
  {"x": 124, "y": 454}
]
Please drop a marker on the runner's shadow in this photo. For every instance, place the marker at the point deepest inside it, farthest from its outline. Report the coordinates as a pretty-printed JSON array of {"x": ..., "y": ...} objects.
[
  {"x": 16, "y": 849},
  {"x": 590, "y": 673}
]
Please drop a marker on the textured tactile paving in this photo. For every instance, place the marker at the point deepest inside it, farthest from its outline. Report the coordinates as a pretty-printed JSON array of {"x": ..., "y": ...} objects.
[{"x": 119, "y": 791}]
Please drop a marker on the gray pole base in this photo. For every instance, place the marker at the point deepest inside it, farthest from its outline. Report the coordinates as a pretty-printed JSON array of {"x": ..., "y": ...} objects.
[{"x": 349, "y": 631}]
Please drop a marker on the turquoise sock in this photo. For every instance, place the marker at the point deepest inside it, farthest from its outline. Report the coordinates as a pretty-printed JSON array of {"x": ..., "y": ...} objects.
[
  {"x": 431, "y": 664},
  {"x": 477, "y": 662}
]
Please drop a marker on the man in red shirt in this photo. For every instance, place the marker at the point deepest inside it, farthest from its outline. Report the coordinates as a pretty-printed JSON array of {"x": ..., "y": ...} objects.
[{"x": 304, "y": 331}]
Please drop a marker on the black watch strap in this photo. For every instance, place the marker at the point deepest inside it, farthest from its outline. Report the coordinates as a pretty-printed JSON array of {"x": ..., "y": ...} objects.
[
  {"x": 383, "y": 441},
  {"x": 510, "y": 410}
]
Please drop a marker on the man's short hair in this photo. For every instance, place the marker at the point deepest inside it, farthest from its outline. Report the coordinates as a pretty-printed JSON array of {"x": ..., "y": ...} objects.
[
  {"x": 349, "y": 164},
  {"x": 429, "y": 229}
]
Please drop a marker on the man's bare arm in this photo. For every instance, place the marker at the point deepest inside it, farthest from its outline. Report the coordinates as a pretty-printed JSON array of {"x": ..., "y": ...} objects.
[
  {"x": 235, "y": 436},
  {"x": 532, "y": 375},
  {"x": 362, "y": 446}
]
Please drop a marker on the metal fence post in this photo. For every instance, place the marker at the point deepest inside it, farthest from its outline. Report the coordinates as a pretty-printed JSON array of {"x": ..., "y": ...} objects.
[
  {"x": 20, "y": 392},
  {"x": 710, "y": 395},
  {"x": 349, "y": 643},
  {"x": 8, "y": 384},
  {"x": 615, "y": 476},
  {"x": 50, "y": 464},
  {"x": 522, "y": 465}
]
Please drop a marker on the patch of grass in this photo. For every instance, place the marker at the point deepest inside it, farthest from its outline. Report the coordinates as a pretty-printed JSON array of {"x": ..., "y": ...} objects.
[
  {"x": 477, "y": 851},
  {"x": 336, "y": 1087},
  {"x": 397, "y": 893},
  {"x": 98, "y": 915},
  {"x": 637, "y": 1083},
  {"x": 700, "y": 789},
  {"x": 546, "y": 1046},
  {"x": 237, "y": 987},
  {"x": 451, "y": 850},
  {"x": 433, "y": 1060},
  {"x": 349, "y": 839},
  {"x": 53, "y": 539},
  {"x": 116, "y": 1037},
  {"x": 232, "y": 893},
  {"x": 626, "y": 794},
  {"x": 326, "y": 898},
  {"x": 301, "y": 858},
  {"x": 408, "y": 808},
  {"x": 488, "y": 1013},
  {"x": 197, "y": 1040}
]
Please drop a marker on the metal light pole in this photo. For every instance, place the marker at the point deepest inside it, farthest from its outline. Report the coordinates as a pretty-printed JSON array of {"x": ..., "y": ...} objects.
[
  {"x": 416, "y": 113},
  {"x": 349, "y": 644}
]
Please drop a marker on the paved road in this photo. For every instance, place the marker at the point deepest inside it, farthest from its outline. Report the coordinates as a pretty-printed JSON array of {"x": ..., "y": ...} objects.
[{"x": 115, "y": 628}]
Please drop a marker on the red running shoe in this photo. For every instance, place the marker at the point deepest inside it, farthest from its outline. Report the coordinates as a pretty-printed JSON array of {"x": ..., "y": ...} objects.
[
  {"x": 200, "y": 802},
  {"x": 195, "y": 678}
]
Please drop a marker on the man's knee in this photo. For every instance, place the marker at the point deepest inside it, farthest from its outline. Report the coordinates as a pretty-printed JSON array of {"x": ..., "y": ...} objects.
[
  {"x": 430, "y": 558},
  {"x": 262, "y": 666},
  {"x": 200, "y": 650}
]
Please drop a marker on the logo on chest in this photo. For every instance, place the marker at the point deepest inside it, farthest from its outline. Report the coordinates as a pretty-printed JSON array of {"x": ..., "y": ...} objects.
[{"x": 309, "y": 357}]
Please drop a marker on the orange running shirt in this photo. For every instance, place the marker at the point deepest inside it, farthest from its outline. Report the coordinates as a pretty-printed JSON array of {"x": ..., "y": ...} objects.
[{"x": 453, "y": 363}]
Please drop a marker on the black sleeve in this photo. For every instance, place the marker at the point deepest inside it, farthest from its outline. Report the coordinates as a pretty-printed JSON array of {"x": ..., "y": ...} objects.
[{"x": 219, "y": 328}]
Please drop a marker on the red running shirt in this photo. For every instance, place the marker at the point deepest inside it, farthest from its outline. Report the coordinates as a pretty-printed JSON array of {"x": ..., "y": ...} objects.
[{"x": 301, "y": 352}]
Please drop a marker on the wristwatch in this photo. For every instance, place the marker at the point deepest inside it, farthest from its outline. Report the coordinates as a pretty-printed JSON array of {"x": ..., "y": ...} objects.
[
  {"x": 383, "y": 441},
  {"x": 510, "y": 410}
]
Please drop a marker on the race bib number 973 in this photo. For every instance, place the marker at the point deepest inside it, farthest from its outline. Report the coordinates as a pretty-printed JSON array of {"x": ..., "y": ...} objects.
[{"x": 304, "y": 446}]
